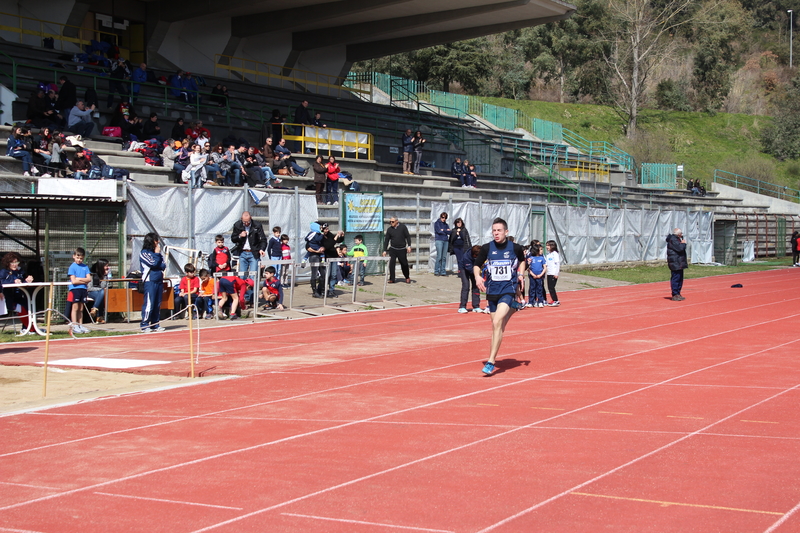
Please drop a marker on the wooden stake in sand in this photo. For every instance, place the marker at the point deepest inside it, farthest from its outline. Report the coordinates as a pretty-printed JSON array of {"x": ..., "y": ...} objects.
[
  {"x": 47, "y": 339},
  {"x": 190, "y": 309}
]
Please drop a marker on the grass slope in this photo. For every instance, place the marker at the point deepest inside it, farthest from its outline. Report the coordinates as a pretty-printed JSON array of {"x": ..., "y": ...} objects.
[
  {"x": 651, "y": 274},
  {"x": 701, "y": 142}
]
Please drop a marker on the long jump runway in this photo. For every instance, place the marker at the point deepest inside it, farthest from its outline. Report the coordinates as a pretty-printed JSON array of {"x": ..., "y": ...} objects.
[{"x": 619, "y": 411}]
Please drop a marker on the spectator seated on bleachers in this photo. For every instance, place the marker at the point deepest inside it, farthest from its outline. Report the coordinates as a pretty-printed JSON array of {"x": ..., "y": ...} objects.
[
  {"x": 57, "y": 117},
  {"x": 177, "y": 90},
  {"x": 41, "y": 150},
  {"x": 20, "y": 147},
  {"x": 139, "y": 76},
  {"x": 80, "y": 119},
  {"x": 190, "y": 87},
  {"x": 457, "y": 170},
  {"x": 80, "y": 165},
  {"x": 219, "y": 95},
  {"x": 40, "y": 112},
  {"x": 284, "y": 155},
  {"x": 151, "y": 129},
  {"x": 196, "y": 132}
]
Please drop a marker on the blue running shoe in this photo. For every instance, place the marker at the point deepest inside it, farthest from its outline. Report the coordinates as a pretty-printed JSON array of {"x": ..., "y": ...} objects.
[{"x": 488, "y": 368}]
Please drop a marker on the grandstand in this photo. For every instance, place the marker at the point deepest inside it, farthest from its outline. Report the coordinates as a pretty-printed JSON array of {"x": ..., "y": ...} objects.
[{"x": 515, "y": 166}]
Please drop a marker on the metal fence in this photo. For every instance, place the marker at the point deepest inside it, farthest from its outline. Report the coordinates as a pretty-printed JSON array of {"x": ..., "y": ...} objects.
[{"x": 659, "y": 175}]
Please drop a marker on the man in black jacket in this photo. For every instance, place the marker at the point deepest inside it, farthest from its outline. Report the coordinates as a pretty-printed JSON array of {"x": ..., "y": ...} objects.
[
  {"x": 301, "y": 116},
  {"x": 250, "y": 244},
  {"x": 397, "y": 244},
  {"x": 67, "y": 96},
  {"x": 676, "y": 260},
  {"x": 329, "y": 242}
]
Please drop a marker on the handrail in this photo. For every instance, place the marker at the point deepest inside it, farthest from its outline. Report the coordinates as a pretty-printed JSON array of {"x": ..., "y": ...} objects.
[
  {"x": 56, "y": 36},
  {"x": 13, "y": 73},
  {"x": 758, "y": 186},
  {"x": 563, "y": 182},
  {"x": 605, "y": 149},
  {"x": 278, "y": 72},
  {"x": 369, "y": 123}
]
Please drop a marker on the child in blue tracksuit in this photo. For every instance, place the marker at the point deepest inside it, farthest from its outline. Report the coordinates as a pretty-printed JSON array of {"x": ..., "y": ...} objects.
[
  {"x": 274, "y": 248},
  {"x": 153, "y": 267},
  {"x": 537, "y": 270}
]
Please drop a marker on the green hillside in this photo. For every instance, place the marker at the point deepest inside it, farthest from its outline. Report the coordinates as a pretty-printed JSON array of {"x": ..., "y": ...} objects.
[{"x": 700, "y": 141}]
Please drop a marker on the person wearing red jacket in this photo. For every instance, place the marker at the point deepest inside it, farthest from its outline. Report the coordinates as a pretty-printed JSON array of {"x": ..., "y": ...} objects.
[
  {"x": 197, "y": 130},
  {"x": 332, "y": 185}
]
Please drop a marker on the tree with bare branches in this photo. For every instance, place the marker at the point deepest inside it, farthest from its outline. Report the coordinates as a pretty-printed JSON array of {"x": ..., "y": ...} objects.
[{"x": 640, "y": 37}]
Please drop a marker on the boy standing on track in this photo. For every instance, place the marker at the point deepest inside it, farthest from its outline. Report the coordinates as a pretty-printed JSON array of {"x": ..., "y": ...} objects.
[
  {"x": 79, "y": 276},
  {"x": 505, "y": 262}
]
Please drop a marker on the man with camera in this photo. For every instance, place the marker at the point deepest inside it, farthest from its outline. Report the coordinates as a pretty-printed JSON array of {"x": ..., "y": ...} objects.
[{"x": 676, "y": 260}]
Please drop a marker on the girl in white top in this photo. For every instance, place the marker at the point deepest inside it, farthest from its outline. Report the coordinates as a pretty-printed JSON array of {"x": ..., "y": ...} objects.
[{"x": 553, "y": 267}]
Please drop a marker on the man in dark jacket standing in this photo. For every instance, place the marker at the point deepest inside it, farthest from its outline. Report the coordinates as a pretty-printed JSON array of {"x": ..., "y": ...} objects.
[
  {"x": 676, "y": 260},
  {"x": 398, "y": 245},
  {"x": 408, "y": 151},
  {"x": 303, "y": 117},
  {"x": 250, "y": 243},
  {"x": 67, "y": 96}
]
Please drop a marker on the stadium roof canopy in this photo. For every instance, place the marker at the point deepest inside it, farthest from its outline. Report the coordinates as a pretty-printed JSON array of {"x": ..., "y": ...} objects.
[{"x": 359, "y": 29}]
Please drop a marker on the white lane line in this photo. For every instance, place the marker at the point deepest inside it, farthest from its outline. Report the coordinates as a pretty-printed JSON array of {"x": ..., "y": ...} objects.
[
  {"x": 634, "y": 461},
  {"x": 26, "y": 485},
  {"x": 408, "y": 409},
  {"x": 783, "y": 519},
  {"x": 496, "y": 436},
  {"x": 399, "y": 376},
  {"x": 604, "y": 303},
  {"x": 10, "y": 530},
  {"x": 167, "y": 501},
  {"x": 392, "y": 526}
]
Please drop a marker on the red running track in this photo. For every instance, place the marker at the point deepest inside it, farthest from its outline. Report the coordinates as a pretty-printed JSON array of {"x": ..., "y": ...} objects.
[{"x": 619, "y": 411}]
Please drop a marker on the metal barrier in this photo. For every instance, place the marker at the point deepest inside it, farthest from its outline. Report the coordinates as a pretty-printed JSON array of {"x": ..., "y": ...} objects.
[
  {"x": 355, "y": 274},
  {"x": 333, "y": 140},
  {"x": 659, "y": 175},
  {"x": 757, "y": 186}
]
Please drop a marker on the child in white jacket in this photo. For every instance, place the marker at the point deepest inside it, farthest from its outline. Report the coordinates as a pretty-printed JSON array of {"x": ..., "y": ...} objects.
[{"x": 553, "y": 267}]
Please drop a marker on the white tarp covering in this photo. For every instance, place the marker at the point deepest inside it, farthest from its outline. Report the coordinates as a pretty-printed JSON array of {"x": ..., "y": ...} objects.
[
  {"x": 73, "y": 187},
  {"x": 702, "y": 251},
  {"x": 748, "y": 251},
  {"x": 478, "y": 219},
  {"x": 595, "y": 235},
  {"x": 331, "y": 139},
  {"x": 165, "y": 210}
]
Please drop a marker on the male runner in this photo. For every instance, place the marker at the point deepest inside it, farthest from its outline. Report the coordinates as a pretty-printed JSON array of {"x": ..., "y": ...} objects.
[{"x": 505, "y": 263}]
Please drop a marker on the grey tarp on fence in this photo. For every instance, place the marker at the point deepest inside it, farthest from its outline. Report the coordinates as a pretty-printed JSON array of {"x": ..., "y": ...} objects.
[
  {"x": 478, "y": 219},
  {"x": 165, "y": 210},
  {"x": 594, "y": 235}
]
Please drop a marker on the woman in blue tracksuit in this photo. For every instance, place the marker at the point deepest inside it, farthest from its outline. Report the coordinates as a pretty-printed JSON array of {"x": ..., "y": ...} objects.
[{"x": 153, "y": 266}]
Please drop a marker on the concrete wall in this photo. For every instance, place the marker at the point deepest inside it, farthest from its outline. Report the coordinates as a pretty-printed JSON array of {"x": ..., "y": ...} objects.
[
  {"x": 192, "y": 45},
  {"x": 773, "y": 205}
]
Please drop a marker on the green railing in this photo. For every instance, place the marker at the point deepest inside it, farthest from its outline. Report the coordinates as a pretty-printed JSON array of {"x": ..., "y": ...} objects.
[
  {"x": 757, "y": 186},
  {"x": 546, "y": 130},
  {"x": 658, "y": 176},
  {"x": 13, "y": 75},
  {"x": 599, "y": 149},
  {"x": 548, "y": 165},
  {"x": 101, "y": 86}
]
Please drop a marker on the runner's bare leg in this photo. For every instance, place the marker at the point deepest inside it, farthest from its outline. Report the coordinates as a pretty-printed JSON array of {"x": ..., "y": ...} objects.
[{"x": 499, "y": 321}]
